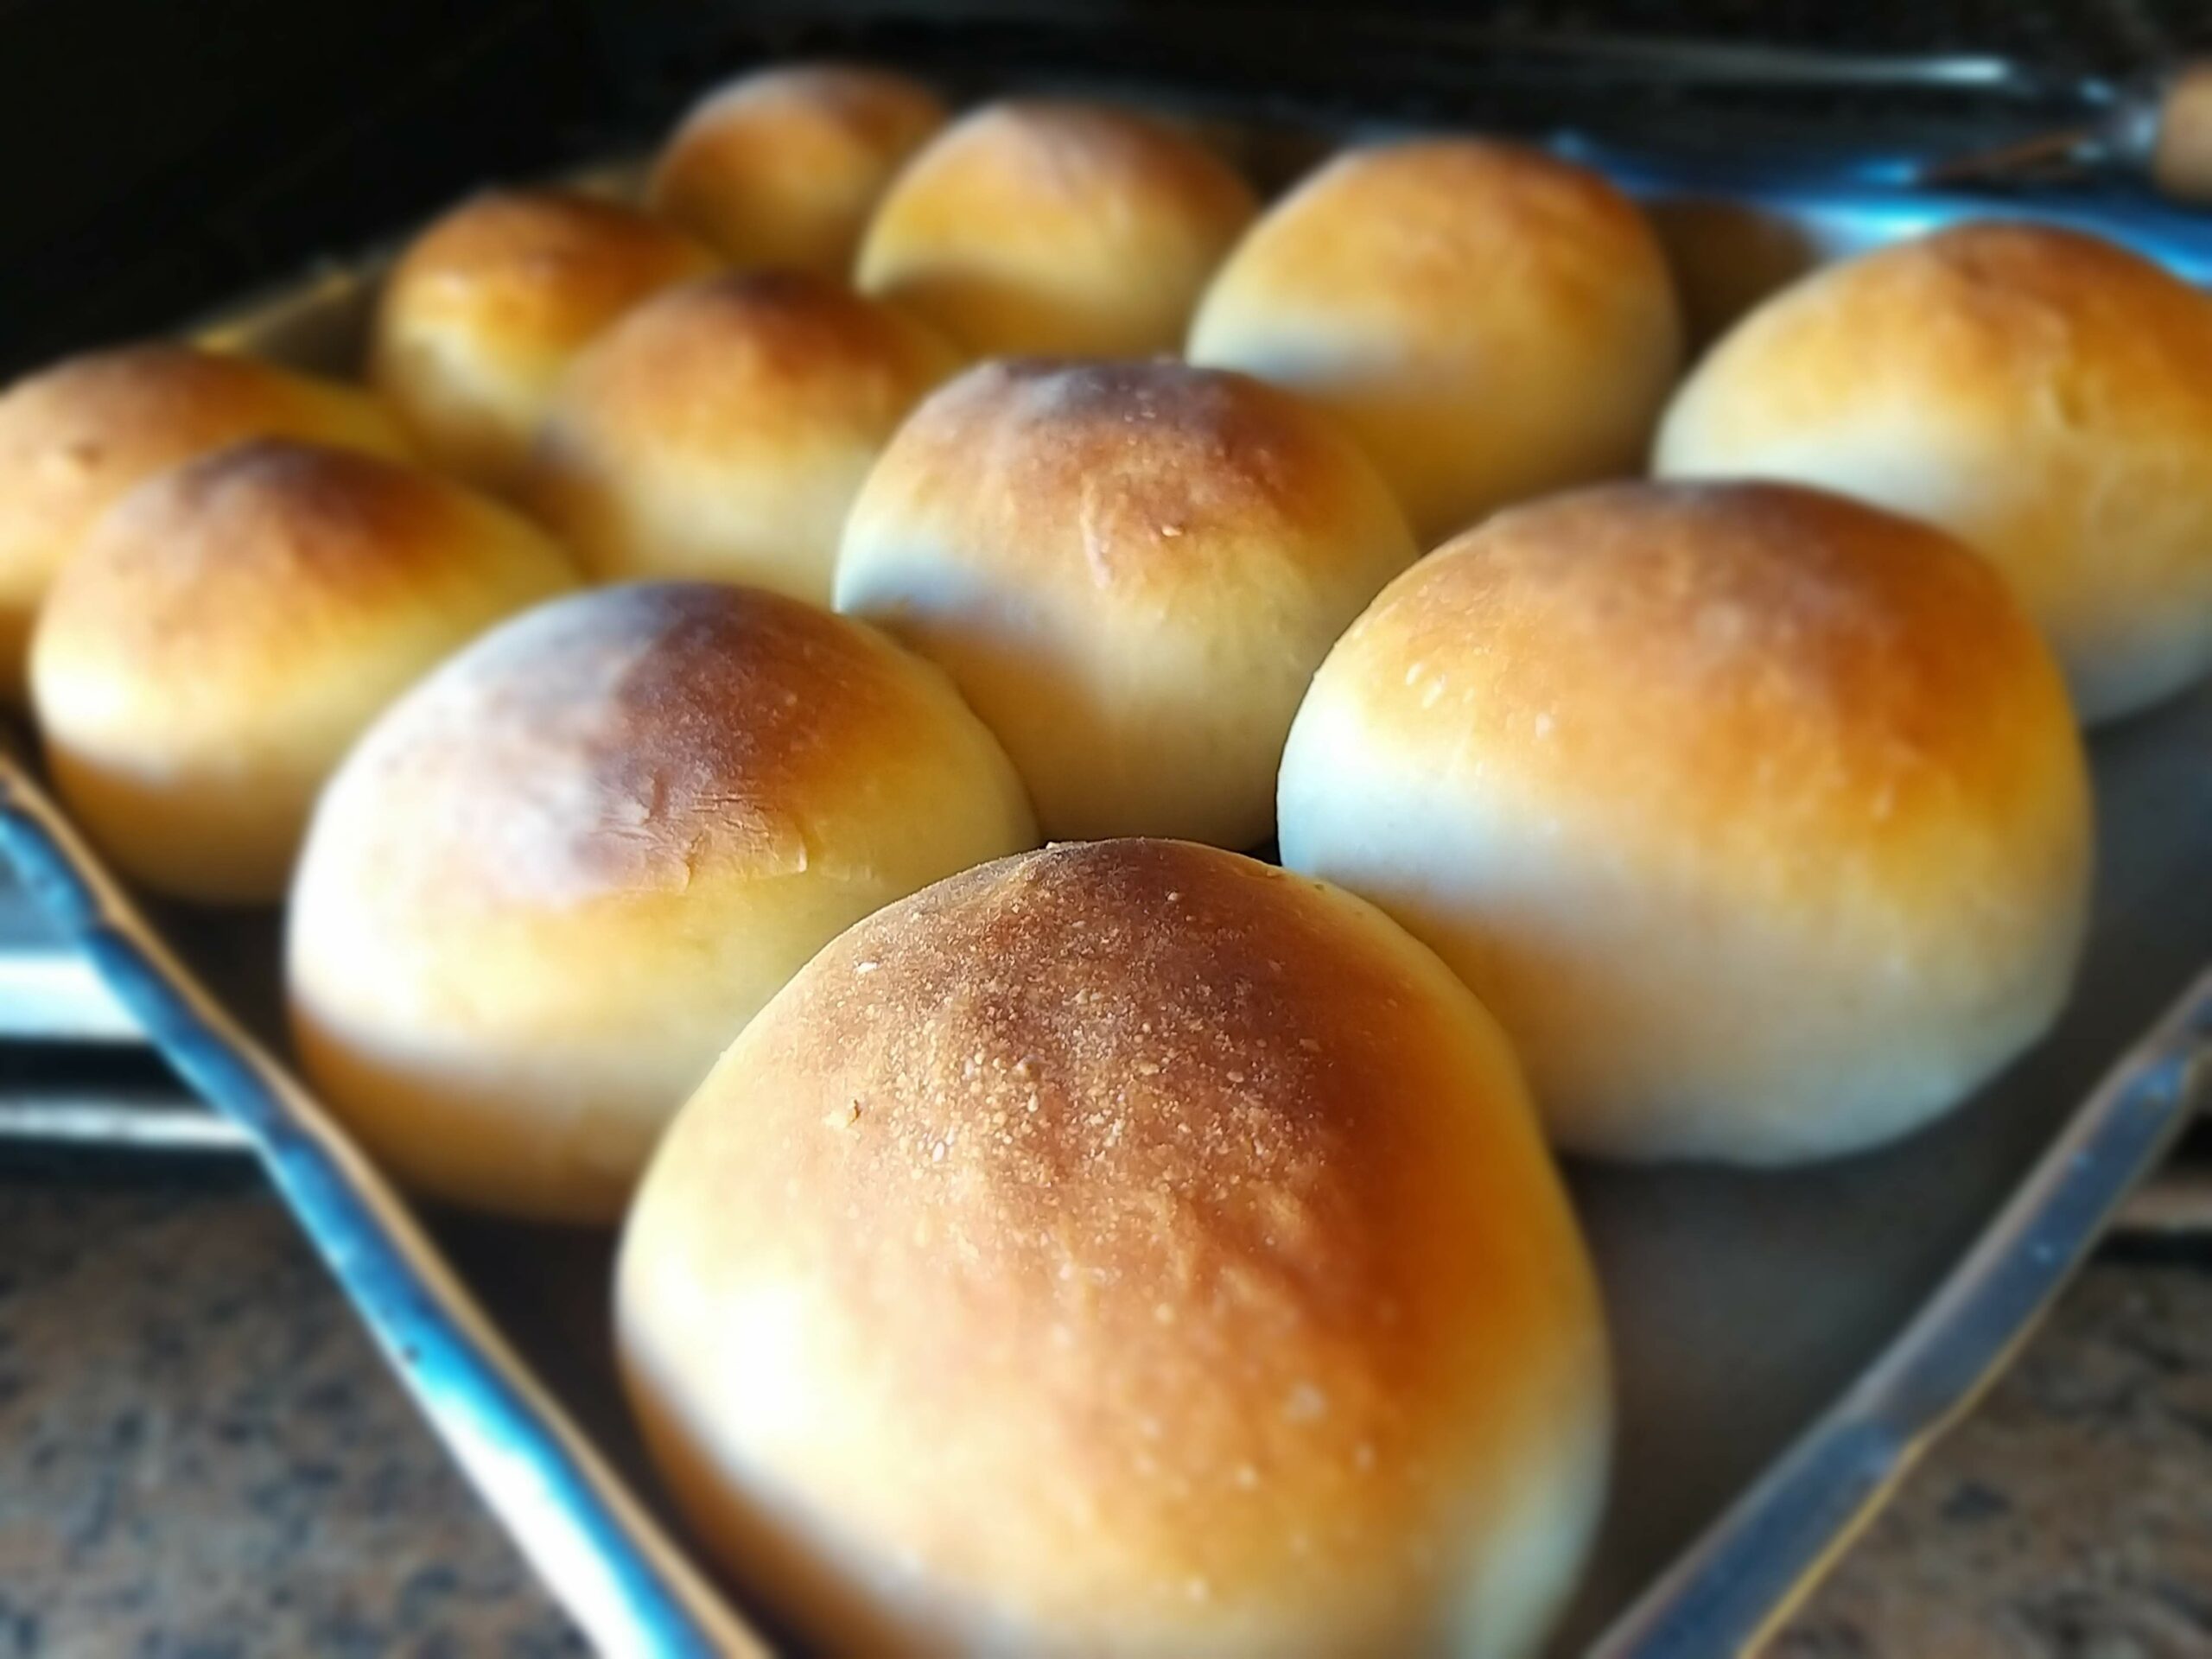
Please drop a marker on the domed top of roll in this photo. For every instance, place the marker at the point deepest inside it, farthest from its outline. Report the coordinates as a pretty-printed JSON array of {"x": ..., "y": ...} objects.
[
  {"x": 1039, "y": 226},
  {"x": 74, "y": 437},
  {"x": 1751, "y": 670},
  {"x": 1490, "y": 321},
  {"x": 227, "y": 629},
  {"x": 488, "y": 305},
  {"x": 2044, "y": 395},
  {"x": 1145, "y": 467},
  {"x": 630, "y": 740},
  {"x": 782, "y": 166},
  {"x": 2010, "y": 322},
  {"x": 244, "y": 563},
  {"x": 721, "y": 429},
  {"x": 1131, "y": 570},
  {"x": 1758, "y": 815}
]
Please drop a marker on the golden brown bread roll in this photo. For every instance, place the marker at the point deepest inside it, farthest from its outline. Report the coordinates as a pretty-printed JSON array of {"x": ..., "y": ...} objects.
[
  {"x": 553, "y": 881},
  {"x": 782, "y": 167},
  {"x": 721, "y": 429},
  {"x": 74, "y": 437},
  {"x": 1130, "y": 570},
  {"x": 489, "y": 304},
  {"x": 226, "y": 630},
  {"x": 1490, "y": 321},
  {"x": 1758, "y": 816},
  {"x": 1126, "y": 1249},
  {"x": 1037, "y": 225},
  {"x": 2043, "y": 396}
]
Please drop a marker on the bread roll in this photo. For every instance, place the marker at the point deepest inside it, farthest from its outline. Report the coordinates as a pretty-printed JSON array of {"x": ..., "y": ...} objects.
[
  {"x": 1129, "y": 1249},
  {"x": 721, "y": 429},
  {"x": 225, "y": 632},
  {"x": 782, "y": 166},
  {"x": 1044, "y": 227},
  {"x": 1130, "y": 570},
  {"x": 1491, "y": 322},
  {"x": 554, "y": 880},
  {"x": 2043, "y": 396},
  {"x": 76, "y": 436},
  {"x": 487, "y": 307},
  {"x": 1757, "y": 816}
]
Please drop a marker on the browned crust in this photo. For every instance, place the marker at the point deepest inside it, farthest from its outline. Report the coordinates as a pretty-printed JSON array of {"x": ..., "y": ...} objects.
[
  {"x": 634, "y": 739},
  {"x": 2026, "y": 322},
  {"x": 1407, "y": 227},
  {"x": 250, "y": 558},
  {"x": 74, "y": 437},
  {"x": 1036, "y": 225},
  {"x": 745, "y": 359},
  {"x": 531, "y": 271},
  {"x": 784, "y": 165},
  {"x": 1726, "y": 662},
  {"x": 1144, "y": 476}
]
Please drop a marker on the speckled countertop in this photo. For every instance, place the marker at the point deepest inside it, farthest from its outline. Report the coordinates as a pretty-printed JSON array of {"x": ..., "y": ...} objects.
[{"x": 201, "y": 1457}]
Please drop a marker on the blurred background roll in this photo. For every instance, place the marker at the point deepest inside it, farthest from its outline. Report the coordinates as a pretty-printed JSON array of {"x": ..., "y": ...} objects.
[
  {"x": 74, "y": 437},
  {"x": 554, "y": 881},
  {"x": 225, "y": 632},
  {"x": 1130, "y": 570},
  {"x": 1491, "y": 322},
  {"x": 2045, "y": 396},
  {"x": 1036, "y": 226},
  {"x": 1129, "y": 1249},
  {"x": 721, "y": 429},
  {"x": 488, "y": 305},
  {"x": 782, "y": 166},
  {"x": 1757, "y": 816}
]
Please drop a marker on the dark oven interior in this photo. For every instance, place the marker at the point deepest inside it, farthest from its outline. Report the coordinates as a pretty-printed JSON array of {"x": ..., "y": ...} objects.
[{"x": 162, "y": 157}]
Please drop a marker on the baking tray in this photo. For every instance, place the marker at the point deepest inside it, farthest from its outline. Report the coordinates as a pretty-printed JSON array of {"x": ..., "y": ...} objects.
[{"x": 1788, "y": 1343}]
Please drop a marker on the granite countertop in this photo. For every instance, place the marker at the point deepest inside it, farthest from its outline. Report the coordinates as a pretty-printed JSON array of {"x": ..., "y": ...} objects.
[{"x": 201, "y": 1457}]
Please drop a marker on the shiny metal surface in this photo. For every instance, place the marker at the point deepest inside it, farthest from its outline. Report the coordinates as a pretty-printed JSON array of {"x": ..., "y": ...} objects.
[
  {"x": 132, "y": 1122},
  {"x": 1789, "y": 1342}
]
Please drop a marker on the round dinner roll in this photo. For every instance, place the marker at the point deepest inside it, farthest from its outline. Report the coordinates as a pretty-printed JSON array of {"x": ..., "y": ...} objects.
[
  {"x": 227, "y": 629},
  {"x": 2045, "y": 396},
  {"x": 1036, "y": 226},
  {"x": 75, "y": 437},
  {"x": 1131, "y": 570},
  {"x": 1128, "y": 1248},
  {"x": 721, "y": 429},
  {"x": 487, "y": 307},
  {"x": 782, "y": 166},
  {"x": 1491, "y": 322},
  {"x": 548, "y": 887},
  {"x": 1757, "y": 816}
]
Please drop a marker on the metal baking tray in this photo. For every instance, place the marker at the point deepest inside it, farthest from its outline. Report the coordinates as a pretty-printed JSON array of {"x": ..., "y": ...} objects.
[{"x": 1788, "y": 1344}]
